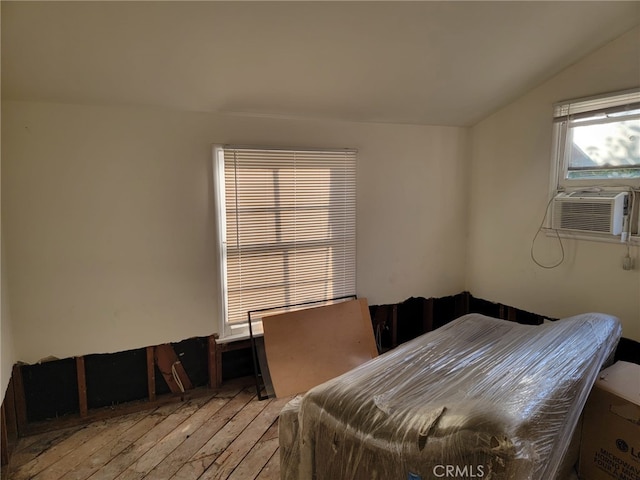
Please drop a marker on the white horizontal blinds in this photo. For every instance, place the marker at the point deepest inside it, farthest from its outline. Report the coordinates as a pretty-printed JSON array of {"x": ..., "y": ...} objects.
[
  {"x": 627, "y": 101},
  {"x": 290, "y": 227}
]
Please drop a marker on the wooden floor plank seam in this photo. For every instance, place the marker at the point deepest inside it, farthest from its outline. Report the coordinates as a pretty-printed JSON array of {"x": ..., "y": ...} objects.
[
  {"x": 271, "y": 469},
  {"x": 256, "y": 458}
]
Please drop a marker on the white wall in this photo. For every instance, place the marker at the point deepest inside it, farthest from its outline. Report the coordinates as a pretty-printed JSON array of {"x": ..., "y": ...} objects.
[
  {"x": 511, "y": 153},
  {"x": 109, "y": 222}
]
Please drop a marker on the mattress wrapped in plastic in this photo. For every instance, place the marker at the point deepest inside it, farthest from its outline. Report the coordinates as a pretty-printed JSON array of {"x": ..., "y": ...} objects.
[{"x": 477, "y": 398}]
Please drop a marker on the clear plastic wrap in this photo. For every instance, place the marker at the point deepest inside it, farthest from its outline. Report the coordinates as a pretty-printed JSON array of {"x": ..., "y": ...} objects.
[{"x": 477, "y": 398}]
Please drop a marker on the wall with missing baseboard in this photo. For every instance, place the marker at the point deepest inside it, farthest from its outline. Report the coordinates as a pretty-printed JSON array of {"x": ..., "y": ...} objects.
[
  {"x": 108, "y": 218},
  {"x": 48, "y": 393}
]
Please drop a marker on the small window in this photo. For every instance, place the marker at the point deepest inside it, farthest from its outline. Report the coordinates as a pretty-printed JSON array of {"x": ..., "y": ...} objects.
[
  {"x": 286, "y": 227},
  {"x": 596, "y": 157},
  {"x": 598, "y": 140}
]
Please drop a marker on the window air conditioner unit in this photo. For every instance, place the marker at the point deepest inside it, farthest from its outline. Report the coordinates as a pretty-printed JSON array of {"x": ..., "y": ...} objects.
[{"x": 589, "y": 212}]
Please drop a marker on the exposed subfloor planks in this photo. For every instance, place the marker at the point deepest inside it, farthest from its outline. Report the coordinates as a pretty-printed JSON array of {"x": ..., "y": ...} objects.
[{"x": 227, "y": 434}]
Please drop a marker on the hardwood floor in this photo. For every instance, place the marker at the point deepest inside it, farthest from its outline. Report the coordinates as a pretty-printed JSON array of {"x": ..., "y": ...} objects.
[{"x": 224, "y": 435}]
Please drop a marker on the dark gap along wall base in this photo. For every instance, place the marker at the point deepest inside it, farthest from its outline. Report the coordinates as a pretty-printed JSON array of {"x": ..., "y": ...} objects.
[{"x": 69, "y": 391}]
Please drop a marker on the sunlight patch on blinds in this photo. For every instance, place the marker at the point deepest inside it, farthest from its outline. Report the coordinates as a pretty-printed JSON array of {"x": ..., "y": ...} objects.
[{"x": 290, "y": 227}]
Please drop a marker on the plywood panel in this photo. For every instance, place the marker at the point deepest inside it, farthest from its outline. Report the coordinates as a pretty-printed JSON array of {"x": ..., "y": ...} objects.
[{"x": 305, "y": 348}]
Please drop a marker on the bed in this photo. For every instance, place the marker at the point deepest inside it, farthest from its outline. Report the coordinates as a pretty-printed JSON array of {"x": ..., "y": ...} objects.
[{"x": 477, "y": 398}]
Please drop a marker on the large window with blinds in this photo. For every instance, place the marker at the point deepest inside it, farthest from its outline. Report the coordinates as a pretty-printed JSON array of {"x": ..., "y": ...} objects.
[{"x": 286, "y": 228}]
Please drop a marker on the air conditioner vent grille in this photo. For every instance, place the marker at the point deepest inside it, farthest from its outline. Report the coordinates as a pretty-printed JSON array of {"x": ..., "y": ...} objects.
[
  {"x": 602, "y": 214},
  {"x": 593, "y": 217}
]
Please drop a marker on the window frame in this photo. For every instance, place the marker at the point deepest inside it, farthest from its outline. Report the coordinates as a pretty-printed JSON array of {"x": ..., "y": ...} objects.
[
  {"x": 560, "y": 154},
  {"x": 231, "y": 331}
]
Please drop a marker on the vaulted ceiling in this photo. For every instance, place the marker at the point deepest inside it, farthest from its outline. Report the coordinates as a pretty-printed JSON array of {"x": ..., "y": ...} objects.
[{"x": 439, "y": 63}]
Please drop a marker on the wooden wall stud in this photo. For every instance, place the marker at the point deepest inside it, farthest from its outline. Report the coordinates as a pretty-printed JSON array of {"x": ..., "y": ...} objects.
[
  {"x": 82, "y": 387},
  {"x": 151, "y": 373},
  {"x": 215, "y": 376}
]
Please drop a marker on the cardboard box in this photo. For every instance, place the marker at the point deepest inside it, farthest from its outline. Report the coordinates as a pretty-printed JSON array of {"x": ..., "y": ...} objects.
[{"x": 610, "y": 446}]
